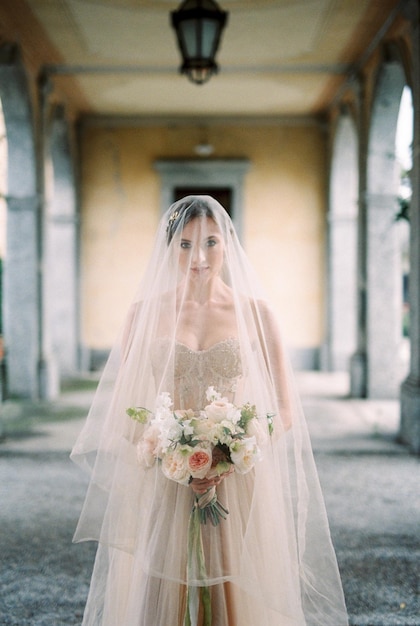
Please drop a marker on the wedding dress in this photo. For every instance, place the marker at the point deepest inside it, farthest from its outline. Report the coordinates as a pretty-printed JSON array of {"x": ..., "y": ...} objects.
[
  {"x": 148, "y": 600},
  {"x": 196, "y": 370},
  {"x": 270, "y": 562}
]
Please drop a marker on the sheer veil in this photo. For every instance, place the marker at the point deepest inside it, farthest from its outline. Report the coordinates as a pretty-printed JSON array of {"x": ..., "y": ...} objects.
[{"x": 274, "y": 547}]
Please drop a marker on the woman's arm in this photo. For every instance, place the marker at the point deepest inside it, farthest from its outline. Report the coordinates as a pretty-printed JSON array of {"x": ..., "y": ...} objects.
[
  {"x": 272, "y": 347},
  {"x": 127, "y": 334}
]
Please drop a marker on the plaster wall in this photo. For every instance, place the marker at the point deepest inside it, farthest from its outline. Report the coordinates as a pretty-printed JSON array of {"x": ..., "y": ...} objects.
[{"x": 283, "y": 221}]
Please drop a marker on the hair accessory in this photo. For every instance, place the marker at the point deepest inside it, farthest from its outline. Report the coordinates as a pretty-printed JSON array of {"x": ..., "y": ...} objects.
[{"x": 172, "y": 218}]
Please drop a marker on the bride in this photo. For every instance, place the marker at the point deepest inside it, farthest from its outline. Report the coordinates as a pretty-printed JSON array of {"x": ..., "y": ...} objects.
[{"x": 227, "y": 547}]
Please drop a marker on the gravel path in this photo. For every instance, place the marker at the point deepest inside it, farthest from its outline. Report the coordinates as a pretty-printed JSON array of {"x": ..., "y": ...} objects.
[{"x": 371, "y": 488}]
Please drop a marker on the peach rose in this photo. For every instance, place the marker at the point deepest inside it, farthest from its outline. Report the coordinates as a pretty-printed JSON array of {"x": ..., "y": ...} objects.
[{"x": 199, "y": 462}]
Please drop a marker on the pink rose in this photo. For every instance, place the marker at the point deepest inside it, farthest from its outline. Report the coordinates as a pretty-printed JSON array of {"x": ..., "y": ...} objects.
[{"x": 199, "y": 462}]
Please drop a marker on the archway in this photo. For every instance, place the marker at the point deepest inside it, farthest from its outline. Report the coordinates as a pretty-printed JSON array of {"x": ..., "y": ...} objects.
[
  {"x": 410, "y": 389},
  {"x": 404, "y": 156}
]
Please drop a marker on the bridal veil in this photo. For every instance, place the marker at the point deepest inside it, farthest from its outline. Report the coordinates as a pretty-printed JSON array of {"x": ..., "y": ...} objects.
[{"x": 271, "y": 561}]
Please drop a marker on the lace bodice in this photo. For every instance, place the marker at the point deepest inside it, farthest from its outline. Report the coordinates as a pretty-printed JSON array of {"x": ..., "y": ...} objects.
[{"x": 196, "y": 370}]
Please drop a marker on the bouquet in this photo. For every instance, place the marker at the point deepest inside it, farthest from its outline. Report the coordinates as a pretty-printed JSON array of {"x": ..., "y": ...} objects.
[{"x": 202, "y": 444}]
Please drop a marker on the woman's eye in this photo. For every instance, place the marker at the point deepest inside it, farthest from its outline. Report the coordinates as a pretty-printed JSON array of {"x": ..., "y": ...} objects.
[
  {"x": 185, "y": 245},
  {"x": 211, "y": 242}
]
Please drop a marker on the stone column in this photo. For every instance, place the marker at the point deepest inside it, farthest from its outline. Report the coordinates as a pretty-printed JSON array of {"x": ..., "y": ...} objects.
[
  {"x": 384, "y": 309},
  {"x": 380, "y": 288},
  {"x": 21, "y": 269},
  {"x": 342, "y": 290},
  {"x": 61, "y": 292},
  {"x": 358, "y": 361},
  {"x": 21, "y": 282},
  {"x": 342, "y": 249},
  {"x": 410, "y": 390},
  {"x": 376, "y": 368}
]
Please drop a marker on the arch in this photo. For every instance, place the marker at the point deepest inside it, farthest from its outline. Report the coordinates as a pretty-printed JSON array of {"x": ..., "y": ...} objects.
[
  {"x": 342, "y": 247},
  {"x": 410, "y": 390},
  {"x": 21, "y": 283},
  {"x": 383, "y": 271}
]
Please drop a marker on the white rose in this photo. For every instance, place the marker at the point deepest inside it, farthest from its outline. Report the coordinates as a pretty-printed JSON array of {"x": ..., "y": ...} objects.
[
  {"x": 148, "y": 448},
  {"x": 244, "y": 453},
  {"x": 175, "y": 465},
  {"x": 219, "y": 410},
  {"x": 206, "y": 430}
]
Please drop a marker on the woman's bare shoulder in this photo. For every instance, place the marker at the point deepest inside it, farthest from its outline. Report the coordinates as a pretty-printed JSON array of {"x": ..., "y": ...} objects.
[{"x": 263, "y": 309}]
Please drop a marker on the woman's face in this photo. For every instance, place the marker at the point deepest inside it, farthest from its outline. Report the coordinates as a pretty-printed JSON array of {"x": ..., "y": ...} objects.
[{"x": 201, "y": 249}]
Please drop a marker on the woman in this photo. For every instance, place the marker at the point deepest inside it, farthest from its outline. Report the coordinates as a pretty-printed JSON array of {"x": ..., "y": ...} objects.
[{"x": 263, "y": 556}]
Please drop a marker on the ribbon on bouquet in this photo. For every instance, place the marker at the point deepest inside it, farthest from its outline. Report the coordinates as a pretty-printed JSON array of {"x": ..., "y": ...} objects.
[
  {"x": 206, "y": 506},
  {"x": 196, "y": 569}
]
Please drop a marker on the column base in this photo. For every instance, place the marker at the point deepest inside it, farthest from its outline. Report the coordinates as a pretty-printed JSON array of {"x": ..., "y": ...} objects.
[
  {"x": 409, "y": 433},
  {"x": 3, "y": 385},
  {"x": 358, "y": 375},
  {"x": 49, "y": 379}
]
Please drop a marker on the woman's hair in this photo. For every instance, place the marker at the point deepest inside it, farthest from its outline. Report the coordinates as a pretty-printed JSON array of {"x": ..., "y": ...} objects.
[{"x": 184, "y": 211}]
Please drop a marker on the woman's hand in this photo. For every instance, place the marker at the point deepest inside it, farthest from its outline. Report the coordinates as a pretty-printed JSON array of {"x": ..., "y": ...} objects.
[{"x": 201, "y": 485}]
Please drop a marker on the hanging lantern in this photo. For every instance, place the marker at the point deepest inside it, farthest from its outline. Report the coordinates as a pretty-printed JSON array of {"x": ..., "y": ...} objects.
[{"x": 198, "y": 25}]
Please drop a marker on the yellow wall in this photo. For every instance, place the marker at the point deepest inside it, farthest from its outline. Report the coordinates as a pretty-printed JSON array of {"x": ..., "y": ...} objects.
[{"x": 284, "y": 217}]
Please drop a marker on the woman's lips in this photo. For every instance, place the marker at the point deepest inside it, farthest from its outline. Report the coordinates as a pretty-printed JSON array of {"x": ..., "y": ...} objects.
[{"x": 199, "y": 270}]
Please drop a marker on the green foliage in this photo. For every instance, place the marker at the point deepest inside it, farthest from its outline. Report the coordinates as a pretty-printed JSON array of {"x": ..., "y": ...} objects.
[
  {"x": 138, "y": 414},
  {"x": 248, "y": 412},
  {"x": 404, "y": 212}
]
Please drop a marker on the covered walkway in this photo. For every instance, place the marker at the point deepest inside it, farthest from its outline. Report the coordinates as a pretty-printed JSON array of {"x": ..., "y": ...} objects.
[{"x": 370, "y": 485}]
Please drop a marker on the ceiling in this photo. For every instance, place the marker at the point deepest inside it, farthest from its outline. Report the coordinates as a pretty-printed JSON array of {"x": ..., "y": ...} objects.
[{"x": 277, "y": 57}]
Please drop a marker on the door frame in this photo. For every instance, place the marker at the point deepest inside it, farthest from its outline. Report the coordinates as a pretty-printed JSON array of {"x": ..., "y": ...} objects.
[{"x": 214, "y": 173}]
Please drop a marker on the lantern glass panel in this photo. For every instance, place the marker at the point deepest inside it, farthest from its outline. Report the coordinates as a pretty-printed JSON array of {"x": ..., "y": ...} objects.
[
  {"x": 199, "y": 38},
  {"x": 189, "y": 38},
  {"x": 209, "y": 38}
]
